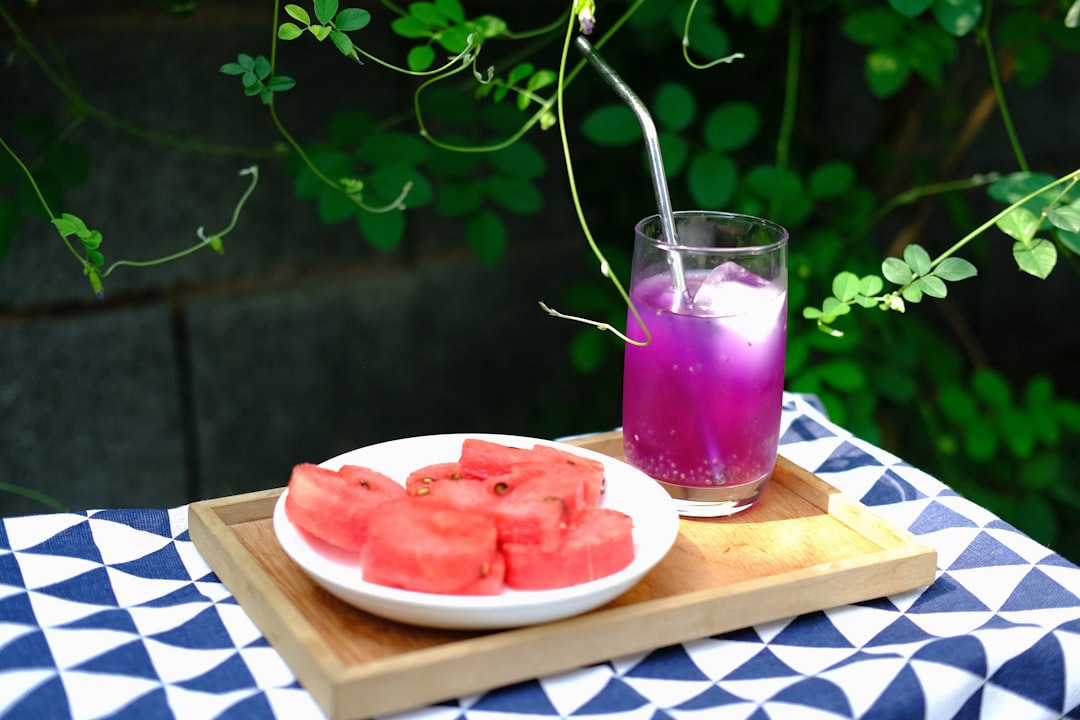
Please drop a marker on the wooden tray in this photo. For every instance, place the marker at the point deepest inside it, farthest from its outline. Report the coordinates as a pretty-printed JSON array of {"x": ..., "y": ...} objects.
[{"x": 804, "y": 547}]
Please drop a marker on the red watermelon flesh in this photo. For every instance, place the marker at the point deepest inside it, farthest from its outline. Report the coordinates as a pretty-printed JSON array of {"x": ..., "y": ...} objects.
[
  {"x": 598, "y": 544},
  {"x": 336, "y": 506},
  {"x": 589, "y": 470},
  {"x": 492, "y": 583},
  {"x": 416, "y": 546},
  {"x": 431, "y": 474},
  {"x": 485, "y": 458}
]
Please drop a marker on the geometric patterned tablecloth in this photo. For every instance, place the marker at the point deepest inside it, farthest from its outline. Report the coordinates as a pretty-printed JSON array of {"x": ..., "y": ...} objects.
[{"x": 114, "y": 614}]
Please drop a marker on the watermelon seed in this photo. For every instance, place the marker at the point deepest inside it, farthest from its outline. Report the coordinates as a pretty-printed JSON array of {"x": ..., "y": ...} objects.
[
  {"x": 423, "y": 491},
  {"x": 455, "y": 476},
  {"x": 365, "y": 484},
  {"x": 501, "y": 488},
  {"x": 428, "y": 480}
]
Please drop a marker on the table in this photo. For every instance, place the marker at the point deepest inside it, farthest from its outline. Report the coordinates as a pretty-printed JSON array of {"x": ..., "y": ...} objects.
[{"x": 115, "y": 614}]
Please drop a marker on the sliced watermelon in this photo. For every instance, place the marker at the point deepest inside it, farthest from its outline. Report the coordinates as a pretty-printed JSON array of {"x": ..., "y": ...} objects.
[
  {"x": 599, "y": 543},
  {"x": 336, "y": 506},
  {"x": 436, "y": 549}
]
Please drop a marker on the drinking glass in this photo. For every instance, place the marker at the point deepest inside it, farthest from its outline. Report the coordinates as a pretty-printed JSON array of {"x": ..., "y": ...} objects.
[{"x": 702, "y": 394}]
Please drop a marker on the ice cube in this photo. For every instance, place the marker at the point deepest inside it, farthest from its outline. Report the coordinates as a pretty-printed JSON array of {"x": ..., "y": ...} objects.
[{"x": 729, "y": 289}]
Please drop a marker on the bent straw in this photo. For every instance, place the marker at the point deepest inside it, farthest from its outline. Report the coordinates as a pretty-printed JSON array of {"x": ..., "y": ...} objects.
[{"x": 656, "y": 161}]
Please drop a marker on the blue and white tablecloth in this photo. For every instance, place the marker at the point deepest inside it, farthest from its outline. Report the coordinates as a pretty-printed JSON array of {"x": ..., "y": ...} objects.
[{"x": 114, "y": 614}]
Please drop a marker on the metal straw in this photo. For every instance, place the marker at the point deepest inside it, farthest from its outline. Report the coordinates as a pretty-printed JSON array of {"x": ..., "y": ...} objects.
[{"x": 656, "y": 161}]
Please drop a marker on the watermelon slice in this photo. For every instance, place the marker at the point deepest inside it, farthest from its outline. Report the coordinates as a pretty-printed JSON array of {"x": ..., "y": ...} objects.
[
  {"x": 336, "y": 506},
  {"x": 436, "y": 549},
  {"x": 598, "y": 544}
]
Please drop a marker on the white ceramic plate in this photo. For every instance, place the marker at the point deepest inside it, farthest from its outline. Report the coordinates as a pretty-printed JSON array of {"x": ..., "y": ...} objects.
[{"x": 656, "y": 525}]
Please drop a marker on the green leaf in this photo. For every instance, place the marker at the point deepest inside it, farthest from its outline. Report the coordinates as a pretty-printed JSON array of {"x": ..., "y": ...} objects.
[
  {"x": 521, "y": 160},
  {"x": 351, "y": 19},
  {"x": 428, "y": 13},
  {"x": 325, "y": 10},
  {"x": 390, "y": 147},
  {"x": 518, "y": 196},
  {"x": 280, "y": 83},
  {"x": 287, "y": 31},
  {"x": 612, "y": 125},
  {"x": 232, "y": 69},
  {"x": 712, "y": 179},
  {"x": 520, "y": 72},
  {"x": 382, "y": 230},
  {"x": 911, "y": 8},
  {"x": 912, "y": 293},
  {"x": 896, "y": 271},
  {"x": 451, "y": 10},
  {"x": 831, "y": 180},
  {"x": 870, "y": 285},
  {"x": 1071, "y": 240},
  {"x": 845, "y": 286},
  {"x": 1033, "y": 63},
  {"x": 764, "y": 13},
  {"x": 410, "y": 27},
  {"x": 587, "y": 350},
  {"x": 980, "y": 440},
  {"x": 886, "y": 71},
  {"x": 262, "y": 67},
  {"x": 420, "y": 58},
  {"x": 1065, "y": 218},
  {"x": 487, "y": 236},
  {"x": 675, "y": 106},
  {"x": 833, "y": 308},
  {"x": 1068, "y": 412},
  {"x": 874, "y": 27},
  {"x": 958, "y": 17},
  {"x": 541, "y": 79},
  {"x": 69, "y": 224},
  {"x": 991, "y": 387},
  {"x": 298, "y": 13},
  {"x": 1037, "y": 257},
  {"x": 932, "y": 286},
  {"x": 675, "y": 150},
  {"x": 956, "y": 403},
  {"x": 917, "y": 259},
  {"x": 954, "y": 268},
  {"x": 1019, "y": 224},
  {"x": 844, "y": 375},
  {"x": 731, "y": 126},
  {"x": 321, "y": 32},
  {"x": 1016, "y": 186}
]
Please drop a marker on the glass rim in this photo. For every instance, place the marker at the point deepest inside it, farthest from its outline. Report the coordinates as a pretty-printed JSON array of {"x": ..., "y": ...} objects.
[{"x": 780, "y": 241}]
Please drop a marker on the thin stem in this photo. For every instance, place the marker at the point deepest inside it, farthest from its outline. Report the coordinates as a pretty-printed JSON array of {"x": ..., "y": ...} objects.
[
  {"x": 686, "y": 44},
  {"x": 791, "y": 92},
  {"x": 605, "y": 267},
  {"x": 999, "y": 90}
]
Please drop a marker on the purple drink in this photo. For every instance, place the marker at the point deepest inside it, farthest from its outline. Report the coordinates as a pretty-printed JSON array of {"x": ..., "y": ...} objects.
[{"x": 702, "y": 401}]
